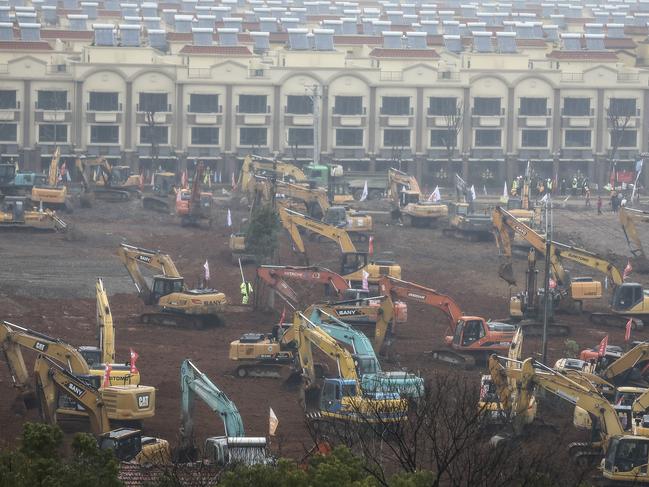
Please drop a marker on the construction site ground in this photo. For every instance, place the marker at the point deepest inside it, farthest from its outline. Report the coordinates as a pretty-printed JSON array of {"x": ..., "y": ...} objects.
[{"x": 47, "y": 284}]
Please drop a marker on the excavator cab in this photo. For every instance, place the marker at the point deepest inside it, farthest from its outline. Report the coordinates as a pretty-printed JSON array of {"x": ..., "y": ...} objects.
[
  {"x": 163, "y": 183},
  {"x": 163, "y": 285},
  {"x": 352, "y": 261},
  {"x": 336, "y": 216},
  {"x": 92, "y": 355},
  {"x": 126, "y": 443},
  {"x": 16, "y": 206},
  {"x": 408, "y": 197},
  {"x": 627, "y": 458},
  {"x": 333, "y": 392},
  {"x": 468, "y": 332},
  {"x": 627, "y": 296}
]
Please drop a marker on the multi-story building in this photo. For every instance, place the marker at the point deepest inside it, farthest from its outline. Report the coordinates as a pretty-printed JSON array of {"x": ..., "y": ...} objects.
[{"x": 436, "y": 89}]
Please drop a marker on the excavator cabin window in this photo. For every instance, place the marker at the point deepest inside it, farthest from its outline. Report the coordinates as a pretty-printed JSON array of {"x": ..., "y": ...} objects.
[
  {"x": 468, "y": 332},
  {"x": 163, "y": 286},
  {"x": 627, "y": 296},
  {"x": 353, "y": 262},
  {"x": 625, "y": 454}
]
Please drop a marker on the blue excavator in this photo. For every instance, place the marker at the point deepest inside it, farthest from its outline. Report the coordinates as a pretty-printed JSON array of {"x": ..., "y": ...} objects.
[
  {"x": 372, "y": 378},
  {"x": 234, "y": 446}
]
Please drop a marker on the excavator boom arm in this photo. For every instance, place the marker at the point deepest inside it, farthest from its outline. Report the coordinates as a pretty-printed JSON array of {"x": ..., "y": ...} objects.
[
  {"x": 275, "y": 276},
  {"x": 291, "y": 220},
  {"x": 194, "y": 383},
  {"x": 628, "y": 218},
  {"x": 132, "y": 257},
  {"x": 105, "y": 322}
]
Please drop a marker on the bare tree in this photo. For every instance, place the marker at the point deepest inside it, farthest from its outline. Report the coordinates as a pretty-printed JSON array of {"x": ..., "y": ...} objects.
[
  {"x": 153, "y": 136},
  {"x": 452, "y": 126},
  {"x": 618, "y": 121},
  {"x": 446, "y": 433}
]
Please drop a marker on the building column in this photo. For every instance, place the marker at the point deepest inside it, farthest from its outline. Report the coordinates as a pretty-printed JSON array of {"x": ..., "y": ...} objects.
[
  {"x": 600, "y": 132},
  {"x": 129, "y": 113},
  {"x": 509, "y": 120},
  {"x": 276, "y": 126},
  {"x": 324, "y": 121},
  {"x": 371, "y": 135},
  {"x": 419, "y": 111},
  {"x": 179, "y": 123},
  {"x": 31, "y": 160},
  {"x": 228, "y": 126},
  {"x": 555, "y": 147},
  {"x": 78, "y": 120},
  {"x": 644, "y": 143}
]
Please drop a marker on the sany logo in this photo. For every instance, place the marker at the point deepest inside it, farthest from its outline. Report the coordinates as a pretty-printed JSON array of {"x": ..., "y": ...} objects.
[
  {"x": 75, "y": 389},
  {"x": 347, "y": 312},
  {"x": 420, "y": 297},
  {"x": 144, "y": 258}
]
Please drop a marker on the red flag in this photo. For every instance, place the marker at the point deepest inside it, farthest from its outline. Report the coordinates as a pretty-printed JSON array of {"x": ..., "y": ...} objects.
[
  {"x": 553, "y": 283},
  {"x": 602, "y": 346},
  {"x": 185, "y": 180},
  {"x": 627, "y": 332},
  {"x": 107, "y": 372},
  {"x": 281, "y": 318},
  {"x": 370, "y": 246},
  {"x": 234, "y": 183},
  {"x": 134, "y": 357},
  {"x": 627, "y": 270},
  {"x": 141, "y": 181}
]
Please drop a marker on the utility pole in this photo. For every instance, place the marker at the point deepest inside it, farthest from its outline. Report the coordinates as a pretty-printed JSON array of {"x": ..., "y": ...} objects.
[
  {"x": 315, "y": 97},
  {"x": 547, "y": 301}
]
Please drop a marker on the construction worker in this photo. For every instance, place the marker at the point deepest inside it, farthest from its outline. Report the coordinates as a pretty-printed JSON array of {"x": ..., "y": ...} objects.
[{"x": 246, "y": 291}]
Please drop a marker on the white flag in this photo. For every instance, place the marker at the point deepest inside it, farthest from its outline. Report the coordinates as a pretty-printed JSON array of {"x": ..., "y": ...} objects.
[
  {"x": 206, "y": 268},
  {"x": 435, "y": 195},
  {"x": 152, "y": 178},
  {"x": 220, "y": 175},
  {"x": 364, "y": 195},
  {"x": 545, "y": 198},
  {"x": 229, "y": 218},
  {"x": 366, "y": 284},
  {"x": 484, "y": 189},
  {"x": 505, "y": 193},
  {"x": 273, "y": 422},
  {"x": 472, "y": 193},
  {"x": 638, "y": 165}
]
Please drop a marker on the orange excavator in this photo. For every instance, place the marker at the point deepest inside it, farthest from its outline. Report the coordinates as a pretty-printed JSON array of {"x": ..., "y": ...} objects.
[
  {"x": 472, "y": 338},
  {"x": 194, "y": 206},
  {"x": 275, "y": 277}
]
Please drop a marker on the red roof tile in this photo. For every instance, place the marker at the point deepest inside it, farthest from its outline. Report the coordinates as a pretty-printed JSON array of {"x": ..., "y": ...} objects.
[
  {"x": 217, "y": 50},
  {"x": 436, "y": 40},
  {"x": 530, "y": 43},
  {"x": 358, "y": 40},
  {"x": 623, "y": 43},
  {"x": 179, "y": 36},
  {"x": 278, "y": 37},
  {"x": 318, "y": 18},
  {"x": 109, "y": 13},
  {"x": 81, "y": 35},
  {"x": 636, "y": 30},
  {"x": 24, "y": 46},
  {"x": 583, "y": 55},
  {"x": 409, "y": 53}
]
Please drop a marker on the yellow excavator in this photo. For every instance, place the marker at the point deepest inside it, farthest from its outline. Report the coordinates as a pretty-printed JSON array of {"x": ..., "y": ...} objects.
[
  {"x": 628, "y": 219},
  {"x": 629, "y": 299},
  {"x": 174, "y": 303},
  {"x": 17, "y": 212},
  {"x": 257, "y": 165},
  {"x": 407, "y": 200},
  {"x": 354, "y": 263},
  {"x": 574, "y": 290},
  {"x": 52, "y": 195},
  {"x": 128, "y": 401},
  {"x": 625, "y": 450},
  {"x": 164, "y": 186},
  {"x": 56, "y": 385},
  {"x": 91, "y": 190},
  {"x": 338, "y": 399}
]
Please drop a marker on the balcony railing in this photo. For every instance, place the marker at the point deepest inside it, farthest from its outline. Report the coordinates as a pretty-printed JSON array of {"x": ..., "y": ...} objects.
[
  {"x": 60, "y": 69},
  {"x": 252, "y": 113},
  {"x": 479, "y": 113},
  {"x": 402, "y": 113},
  {"x": 199, "y": 73},
  {"x": 219, "y": 109},
  {"x": 15, "y": 107},
  {"x": 628, "y": 77},
  {"x": 362, "y": 112},
  {"x": 160, "y": 109},
  {"x": 571, "y": 113},
  {"x": 572, "y": 77},
  {"x": 64, "y": 107},
  {"x": 391, "y": 75},
  {"x": 546, "y": 113},
  {"x": 448, "y": 76},
  {"x": 117, "y": 108}
]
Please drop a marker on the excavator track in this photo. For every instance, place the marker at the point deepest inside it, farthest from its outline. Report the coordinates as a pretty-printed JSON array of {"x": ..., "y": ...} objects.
[
  {"x": 112, "y": 195},
  {"x": 454, "y": 358},
  {"x": 268, "y": 371},
  {"x": 615, "y": 320},
  {"x": 585, "y": 454},
  {"x": 155, "y": 204},
  {"x": 195, "y": 322},
  {"x": 468, "y": 235},
  {"x": 535, "y": 328}
]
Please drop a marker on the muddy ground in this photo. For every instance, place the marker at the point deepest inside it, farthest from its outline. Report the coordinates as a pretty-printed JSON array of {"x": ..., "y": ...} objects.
[{"x": 47, "y": 283}]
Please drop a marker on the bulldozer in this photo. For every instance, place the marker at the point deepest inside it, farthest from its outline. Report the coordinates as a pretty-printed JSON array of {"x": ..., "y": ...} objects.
[{"x": 174, "y": 303}]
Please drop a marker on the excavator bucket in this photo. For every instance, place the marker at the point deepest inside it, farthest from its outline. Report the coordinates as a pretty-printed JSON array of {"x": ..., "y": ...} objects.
[{"x": 506, "y": 272}]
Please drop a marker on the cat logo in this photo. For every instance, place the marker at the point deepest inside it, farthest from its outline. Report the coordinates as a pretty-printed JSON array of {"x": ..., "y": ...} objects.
[
  {"x": 144, "y": 258},
  {"x": 75, "y": 389},
  {"x": 143, "y": 401},
  {"x": 522, "y": 231},
  {"x": 40, "y": 346}
]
